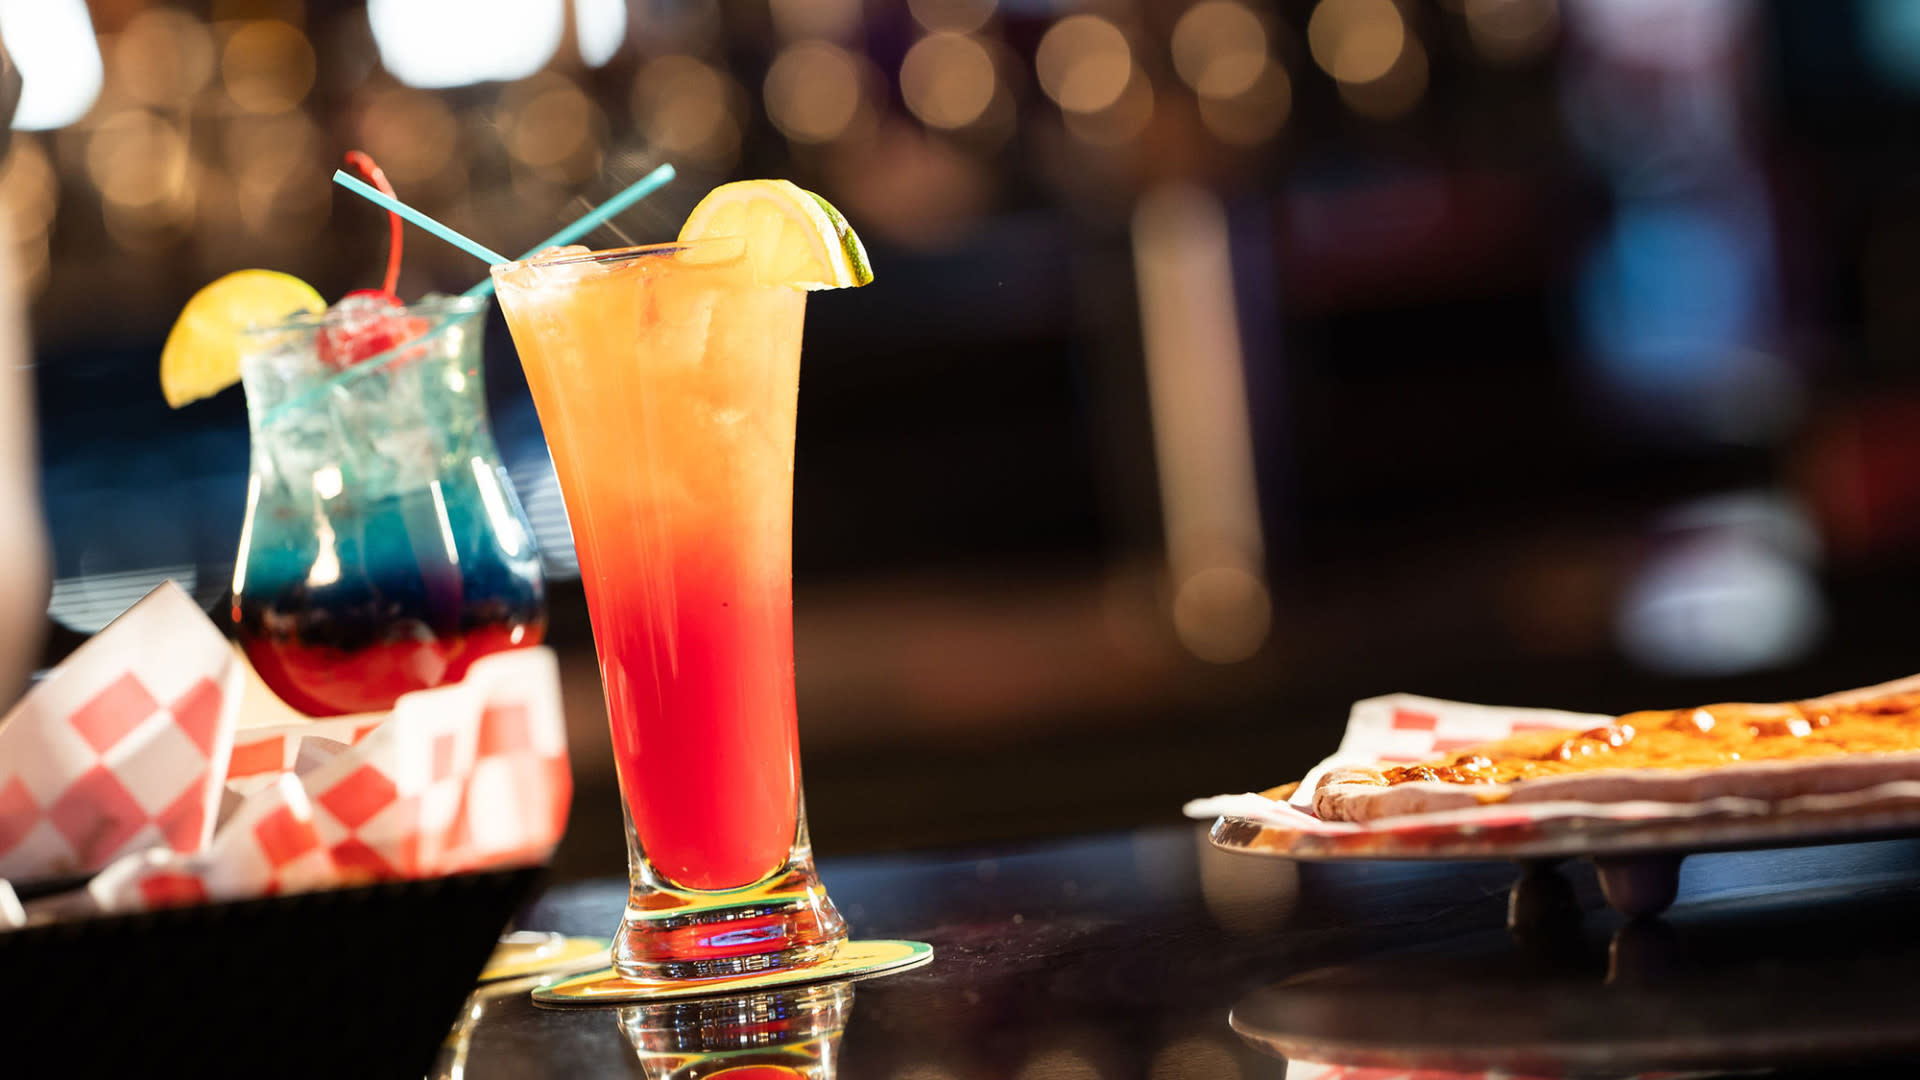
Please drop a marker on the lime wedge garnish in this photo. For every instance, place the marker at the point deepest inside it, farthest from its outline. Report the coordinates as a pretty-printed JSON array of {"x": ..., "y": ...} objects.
[
  {"x": 793, "y": 236},
  {"x": 202, "y": 354}
]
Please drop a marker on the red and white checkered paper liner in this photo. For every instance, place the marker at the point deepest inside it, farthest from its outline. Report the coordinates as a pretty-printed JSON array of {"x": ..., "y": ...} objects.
[
  {"x": 1402, "y": 728},
  {"x": 267, "y": 846},
  {"x": 455, "y": 778},
  {"x": 131, "y": 763},
  {"x": 124, "y": 747}
]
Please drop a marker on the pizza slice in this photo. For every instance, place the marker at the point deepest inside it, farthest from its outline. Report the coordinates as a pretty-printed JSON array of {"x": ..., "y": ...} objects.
[{"x": 1824, "y": 746}]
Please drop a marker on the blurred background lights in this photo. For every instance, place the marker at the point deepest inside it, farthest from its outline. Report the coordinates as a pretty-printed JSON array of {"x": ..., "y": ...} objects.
[
  {"x": 435, "y": 44},
  {"x": 1219, "y": 48},
  {"x": 140, "y": 163},
  {"x": 1703, "y": 359},
  {"x": 1356, "y": 41},
  {"x": 1729, "y": 587},
  {"x": 1507, "y": 31},
  {"x": 813, "y": 92},
  {"x": 689, "y": 110},
  {"x": 1646, "y": 333},
  {"x": 1890, "y": 30},
  {"x": 1222, "y": 613},
  {"x": 267, "y": 66},
  {"x": 1119, "y": 122},
  {"x": 947, "y": 80},
  {"x": 1395, "y": 92},
  {"x": 412, "y": 133},
  {"x": 601, "y": 28},
  {"x": 52, "y": 42},
  {"x": 1659, "y": 33},
  {"x": 278, "y": 146},
  {"x": 162, "y": 58},
  {"x": 957, "y": 16},
  {"x": 1084, "y": 63},
  {"x": 351, "y": 55},
  {"x": 548, "y": 123},
  {"x": 1202, "y": 433},
  {"x": 1721, "y": 605},
  {"x": 1255, "y": 115},
  {"x": 836, "y": 20},
  {"x": 137, "y": 159},
  {"x": 279, "y": 169},
  {"x": 288, "y": 11},
  {"x": 29, "y": 188},
  {"x": 29, "y": 195}
]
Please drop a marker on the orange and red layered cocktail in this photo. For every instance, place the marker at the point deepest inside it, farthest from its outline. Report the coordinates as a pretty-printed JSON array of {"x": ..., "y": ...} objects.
[{"x": 667, "y": 380}]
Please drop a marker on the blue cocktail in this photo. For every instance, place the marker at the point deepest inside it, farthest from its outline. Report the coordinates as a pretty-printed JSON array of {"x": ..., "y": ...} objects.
[{"x": 384, "y": 550}]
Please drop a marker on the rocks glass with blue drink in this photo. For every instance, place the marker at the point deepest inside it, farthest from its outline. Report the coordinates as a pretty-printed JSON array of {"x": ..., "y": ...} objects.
[{"x": 384, "y": 550}]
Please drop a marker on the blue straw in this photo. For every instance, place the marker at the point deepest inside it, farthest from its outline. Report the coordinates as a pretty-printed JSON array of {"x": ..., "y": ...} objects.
[
  {"x": 595, "y": 218},
  {"x": 379, "y": 198}
]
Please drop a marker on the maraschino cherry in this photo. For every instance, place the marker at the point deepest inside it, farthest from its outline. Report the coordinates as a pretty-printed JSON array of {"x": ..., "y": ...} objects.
[{"x": 369, "y": 322}]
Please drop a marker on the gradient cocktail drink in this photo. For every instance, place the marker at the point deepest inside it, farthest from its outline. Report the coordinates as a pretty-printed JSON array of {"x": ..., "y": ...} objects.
[
  {"x": 667, "y": 380},
  {"x": 383, "y": 549}
]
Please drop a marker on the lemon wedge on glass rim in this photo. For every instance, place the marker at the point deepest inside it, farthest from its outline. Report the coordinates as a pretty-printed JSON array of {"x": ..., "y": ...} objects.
[
  {"x": 793, "y": 236},
  {"x": 202, "y": 354}
]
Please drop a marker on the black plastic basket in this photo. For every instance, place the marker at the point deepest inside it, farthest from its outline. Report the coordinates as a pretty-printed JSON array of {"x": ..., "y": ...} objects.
[{"x": 361, "y": 982}]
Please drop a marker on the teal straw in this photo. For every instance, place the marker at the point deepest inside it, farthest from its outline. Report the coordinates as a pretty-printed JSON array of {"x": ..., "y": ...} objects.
[
  {"x": 595, "y": 218},
  {"x": 379, "y": 198}
]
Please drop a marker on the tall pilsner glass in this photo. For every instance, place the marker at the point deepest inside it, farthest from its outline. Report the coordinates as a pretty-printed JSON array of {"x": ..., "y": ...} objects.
[{"x": 667, "y": 381}]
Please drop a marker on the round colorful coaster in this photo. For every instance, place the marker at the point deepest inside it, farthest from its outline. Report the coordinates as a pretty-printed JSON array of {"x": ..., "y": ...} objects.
[
  {"x": 855, "y": 960},
  {"x": 522, "y": 954}
]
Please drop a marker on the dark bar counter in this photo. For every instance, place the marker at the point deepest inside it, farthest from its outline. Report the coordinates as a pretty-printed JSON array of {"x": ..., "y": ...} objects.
[{"x": 1149, "y": 954}]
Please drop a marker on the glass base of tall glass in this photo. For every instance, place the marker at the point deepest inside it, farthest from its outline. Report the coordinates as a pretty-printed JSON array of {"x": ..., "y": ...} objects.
[
  {"x": 668, "y": 932},
  {"x": 667, "y": 381}
]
